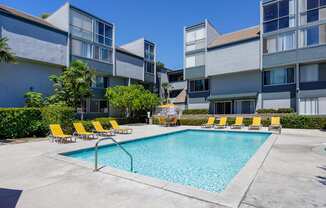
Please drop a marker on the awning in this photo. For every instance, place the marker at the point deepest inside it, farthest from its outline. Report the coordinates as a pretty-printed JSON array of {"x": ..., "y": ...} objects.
[{"x": 233, "y": 96}]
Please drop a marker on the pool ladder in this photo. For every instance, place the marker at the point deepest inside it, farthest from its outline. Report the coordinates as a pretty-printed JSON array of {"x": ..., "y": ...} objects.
[{"x": 115, "y": 142}]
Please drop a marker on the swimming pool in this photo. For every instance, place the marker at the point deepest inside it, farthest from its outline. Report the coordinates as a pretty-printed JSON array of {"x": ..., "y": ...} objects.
[{"x": 205, "y": 160}]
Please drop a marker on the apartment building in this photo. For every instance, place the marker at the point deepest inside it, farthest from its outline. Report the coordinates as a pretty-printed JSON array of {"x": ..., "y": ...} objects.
[
  {"x": 92, "y": 40},
  {"x": 222, "y": 70},
  {"x": 41, "y": 50},
  {"x": 294, "y": 55},
  {"x": 45, "y": 47},
  {"x": 279, "y": 64}
]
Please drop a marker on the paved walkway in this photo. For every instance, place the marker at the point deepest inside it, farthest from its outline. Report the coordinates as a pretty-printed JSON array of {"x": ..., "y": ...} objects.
[{"x": 293, "y": 175}]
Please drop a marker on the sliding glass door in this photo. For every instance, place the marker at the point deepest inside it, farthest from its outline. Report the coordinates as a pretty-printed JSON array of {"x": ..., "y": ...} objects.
[{"x": 223, "y": 107}]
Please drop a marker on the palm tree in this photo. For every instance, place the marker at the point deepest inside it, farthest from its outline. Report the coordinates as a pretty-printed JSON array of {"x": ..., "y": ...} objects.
[
  {"x": 167, "y": 87},
  {"x": 6, "y": 56}
]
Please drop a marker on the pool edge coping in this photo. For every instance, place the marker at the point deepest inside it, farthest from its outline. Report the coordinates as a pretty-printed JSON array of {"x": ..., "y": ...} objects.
[{"x": 231, "y": 196}]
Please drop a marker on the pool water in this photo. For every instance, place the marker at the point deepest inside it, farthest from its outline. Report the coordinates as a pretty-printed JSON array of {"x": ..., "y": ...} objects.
[{"x": 205, "y": 160}]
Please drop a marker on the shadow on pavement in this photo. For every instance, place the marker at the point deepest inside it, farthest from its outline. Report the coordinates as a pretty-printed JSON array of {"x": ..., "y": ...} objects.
[
  {"x": 322, "y": 179},
  {"x": 9, "y": 197}
]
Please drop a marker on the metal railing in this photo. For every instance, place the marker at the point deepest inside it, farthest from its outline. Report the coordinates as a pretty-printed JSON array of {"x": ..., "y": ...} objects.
[{"x": 123, "y": 149}]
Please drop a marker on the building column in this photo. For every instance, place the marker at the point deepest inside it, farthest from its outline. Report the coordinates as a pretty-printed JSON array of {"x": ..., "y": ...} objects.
[
  {"x": 297, "y": 82},
  {"x": 129, "y": 81}
]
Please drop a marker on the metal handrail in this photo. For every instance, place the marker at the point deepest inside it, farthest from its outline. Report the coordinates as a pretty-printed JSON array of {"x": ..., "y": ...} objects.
[{"x": 123, "y": 149}]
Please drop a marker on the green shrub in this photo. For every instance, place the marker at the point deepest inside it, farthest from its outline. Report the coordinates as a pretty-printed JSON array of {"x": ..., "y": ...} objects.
[
  {"x": 280, "y": 110},
  {"x": 21, "y": 122},
  {"x": 285, "y": 110},
  {"x": 324, "y": 125},
  {"x": 58, "y": 114},
  {"x": 33, "y": 99},
  {"x": 195, "y": 111},
  {"x": 292, "y": 121},
  {"x": 302, "y": 122},
  {"x": 265, "y": 111}
]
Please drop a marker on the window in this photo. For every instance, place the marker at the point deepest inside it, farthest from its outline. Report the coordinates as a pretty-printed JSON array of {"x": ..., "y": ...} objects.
[
  {"x": 282, "y": 42},
  {"x": 97, "y": 52},
  {"x": 270, "y": 45},
  {"x": 195, "y": 60},
  {"x": 81, "y": 25},
  {"x": 279, "y": 15},
  {"x": 79, "y": 48},
  {"x": 309, "y": 106},
  {"x": 98, "y": 82},
  {"x": 149, "y": 67},
  {"x": 279, "y": 76},
  {"x": 199, "y": 85},
  {"x": 312, "y": 4},
  {"x": 195, "y": 35},
  {"x": 312, "y": 10},
  {"x": 271, "y": 11},
  {"x": 245, "y": 106},
  {"x": 103, "y": 33},
  {"x": 103, "y": 54},
  {"x": 286, "y": 41},
  {"x": 223, "y": 107},
  {"x": 190, "y": 61},
  {"x": 196, "y": 45},
  {"x": 322, "y": 72},
  {"x": 309, "y": 73},
  {"x": 270, "y": 26},
  {"x": 310, "y": 36},
  {"x": 284, "y": 8},
  {"x": 98, "y": 106},
  {"x": 283, "y": 23},
  {"x": 312, "y": 15},
  {"x": 175, "y": 77},
  {"x": 149, "y": 52},
  {"x": 175, "y": 93}
]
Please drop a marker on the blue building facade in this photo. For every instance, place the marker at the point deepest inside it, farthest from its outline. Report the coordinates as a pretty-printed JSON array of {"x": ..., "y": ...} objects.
[{"x": 45, "y": 46}]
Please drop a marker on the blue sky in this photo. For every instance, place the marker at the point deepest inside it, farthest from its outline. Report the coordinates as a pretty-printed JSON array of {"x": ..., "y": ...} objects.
[{"x": 160, "y": 21}]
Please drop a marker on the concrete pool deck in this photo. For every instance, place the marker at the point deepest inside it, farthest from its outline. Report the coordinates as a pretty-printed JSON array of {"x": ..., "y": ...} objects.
[{"x": 292, "y": 175}]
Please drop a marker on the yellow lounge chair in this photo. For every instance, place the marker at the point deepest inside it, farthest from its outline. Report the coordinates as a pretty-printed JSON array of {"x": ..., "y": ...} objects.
[
  {"x": 118, "y": 129},
  {"x": 162, "y": 121},
  {"x": 174, "y": 121},
  {"x": 275, "y": 124},
  {"x": 82, "y": 133},
  {"x": 58, "y": 135},
  {"x": 210, "y": 123},
  {"x": 99, "y": 129},
  {"x": 256, "y": 123},
  {"x": 238, "y": 123},
  {"x": 222, "y": 123}
]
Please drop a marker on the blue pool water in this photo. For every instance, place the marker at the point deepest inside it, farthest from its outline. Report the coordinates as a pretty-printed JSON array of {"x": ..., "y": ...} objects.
[{"x": 206, "y": 160}]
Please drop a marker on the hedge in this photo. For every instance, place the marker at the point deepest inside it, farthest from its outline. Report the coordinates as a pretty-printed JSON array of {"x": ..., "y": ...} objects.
[
  {"x": 34, "y": 122},
  {"x": 280, "y": 110},
  {"x": 291, "y": 121},
  {"x": 195, "y": 111},
  {"x": 58, "y": 114},
  {"x": 21, "y": 122}
]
